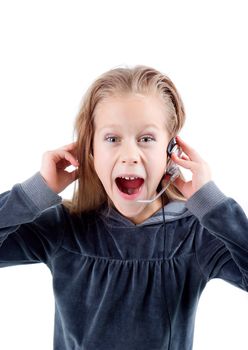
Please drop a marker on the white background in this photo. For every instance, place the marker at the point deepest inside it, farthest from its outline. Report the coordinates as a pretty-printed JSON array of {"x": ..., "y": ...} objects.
[{"x": 51, "y": 51}]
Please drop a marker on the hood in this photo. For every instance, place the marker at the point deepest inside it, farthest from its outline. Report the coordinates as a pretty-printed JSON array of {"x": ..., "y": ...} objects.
[{"x": 173, "y": 211}]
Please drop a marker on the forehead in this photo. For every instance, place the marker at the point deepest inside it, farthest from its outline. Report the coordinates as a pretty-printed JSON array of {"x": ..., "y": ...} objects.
[{"x": 133, "y": 108}]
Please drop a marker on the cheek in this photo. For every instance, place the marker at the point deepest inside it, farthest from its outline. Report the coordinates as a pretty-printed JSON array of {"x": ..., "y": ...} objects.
[
  {"x": 102, "y": 162},
  {"x": 102, "y": 165},
  {"x": 158, "y": 160},
  {"x": 157, "y": 167}
]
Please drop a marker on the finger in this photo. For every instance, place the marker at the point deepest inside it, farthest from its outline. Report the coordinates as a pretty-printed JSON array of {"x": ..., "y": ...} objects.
[
  {"x": 62, "y": 155},
  {"x": 63, "y": 163},
  {"x": 184, "y": 162},
  {"x": 76, "y": 174},
  {"x": 71, "y": 159},
  {"x": 179, "y": 183},
  {"x": 184, "y": 156},
  {"x": 183, "y": 186},
  {"x": 191, "y": 152},
  {"x": 70, "y": 176},
  {"x": 73, "y": 149}
]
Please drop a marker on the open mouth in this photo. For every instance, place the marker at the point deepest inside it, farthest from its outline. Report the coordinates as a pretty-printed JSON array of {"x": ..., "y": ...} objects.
[{"x": 129, "y": 186}]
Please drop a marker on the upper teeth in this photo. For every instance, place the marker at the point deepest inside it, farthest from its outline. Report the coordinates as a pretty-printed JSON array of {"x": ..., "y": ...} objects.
[{"x": 129, "y": 177}]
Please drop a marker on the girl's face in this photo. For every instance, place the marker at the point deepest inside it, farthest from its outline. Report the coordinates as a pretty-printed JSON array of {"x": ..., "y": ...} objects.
[{"x": 131, "y": 139}]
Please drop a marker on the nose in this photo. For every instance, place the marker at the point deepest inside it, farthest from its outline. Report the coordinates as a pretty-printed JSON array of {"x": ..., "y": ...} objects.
[{"x": 129, "y": 155}]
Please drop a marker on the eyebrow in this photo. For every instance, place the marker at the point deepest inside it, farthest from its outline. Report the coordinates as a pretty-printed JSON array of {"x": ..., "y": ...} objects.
[{"x": 116, "y": 126}]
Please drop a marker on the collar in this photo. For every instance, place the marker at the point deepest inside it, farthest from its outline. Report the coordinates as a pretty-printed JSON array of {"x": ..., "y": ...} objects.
[{"x": 173, "y": 210}]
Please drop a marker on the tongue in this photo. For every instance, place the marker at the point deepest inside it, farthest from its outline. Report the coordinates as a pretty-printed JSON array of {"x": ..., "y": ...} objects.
[{"x": 129, "y": 186}]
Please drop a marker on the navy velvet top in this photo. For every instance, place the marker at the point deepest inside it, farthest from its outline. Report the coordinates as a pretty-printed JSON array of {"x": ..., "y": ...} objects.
[{"x": 121, "y": 286}]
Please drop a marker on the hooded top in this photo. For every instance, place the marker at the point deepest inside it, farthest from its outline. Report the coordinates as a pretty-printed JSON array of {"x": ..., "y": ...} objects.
[{"x": 118, "y": 285}]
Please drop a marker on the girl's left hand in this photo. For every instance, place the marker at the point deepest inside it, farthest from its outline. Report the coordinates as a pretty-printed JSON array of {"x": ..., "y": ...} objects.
[{"x": 201, "y": 172}]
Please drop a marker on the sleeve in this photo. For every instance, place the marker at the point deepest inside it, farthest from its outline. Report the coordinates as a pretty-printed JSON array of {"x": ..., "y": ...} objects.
[
  {"x": 221, "y": 242},
  {"x": 30, "y": 222}
]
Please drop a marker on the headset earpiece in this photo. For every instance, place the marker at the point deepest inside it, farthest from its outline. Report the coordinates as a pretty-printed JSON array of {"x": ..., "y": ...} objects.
[{"x": 172, "y": 168}]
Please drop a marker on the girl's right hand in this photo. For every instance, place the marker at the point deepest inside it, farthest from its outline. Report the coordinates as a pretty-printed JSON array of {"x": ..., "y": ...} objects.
[{"x": 54, "y": 164}]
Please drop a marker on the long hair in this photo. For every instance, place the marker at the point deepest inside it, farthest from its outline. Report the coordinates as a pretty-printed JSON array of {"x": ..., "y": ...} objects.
[{"x": 89, "y": 193}]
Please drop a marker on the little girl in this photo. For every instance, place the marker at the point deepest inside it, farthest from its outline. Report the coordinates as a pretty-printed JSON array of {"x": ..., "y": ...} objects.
[{"x": 127, "y": 274}]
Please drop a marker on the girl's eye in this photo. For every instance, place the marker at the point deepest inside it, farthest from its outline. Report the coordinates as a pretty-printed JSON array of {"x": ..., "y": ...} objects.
[
  {"x": 111, "y": 138},
  {"x": 148, "y": 137}
]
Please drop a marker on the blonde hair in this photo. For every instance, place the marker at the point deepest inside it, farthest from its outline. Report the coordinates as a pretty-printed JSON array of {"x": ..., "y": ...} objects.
[{"x": 89, "y": 193}]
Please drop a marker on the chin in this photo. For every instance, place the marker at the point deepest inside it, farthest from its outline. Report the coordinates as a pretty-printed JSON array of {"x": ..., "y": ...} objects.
[{"x": 130, "y": 210}]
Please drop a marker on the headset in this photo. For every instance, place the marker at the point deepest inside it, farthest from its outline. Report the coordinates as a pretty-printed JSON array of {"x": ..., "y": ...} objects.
[{"x": 172, "y": 169}]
